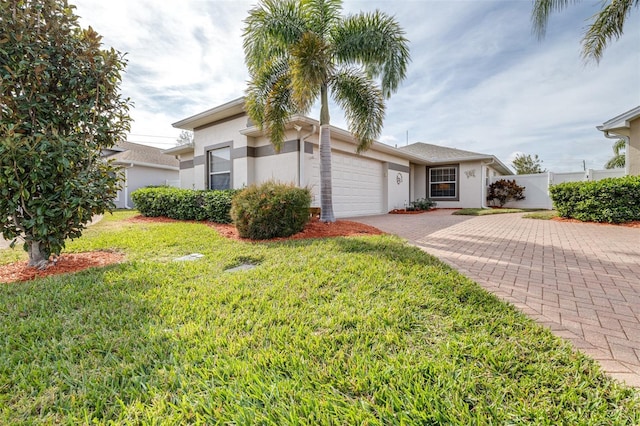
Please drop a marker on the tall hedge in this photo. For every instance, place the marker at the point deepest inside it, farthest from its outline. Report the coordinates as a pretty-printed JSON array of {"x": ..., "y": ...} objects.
[
  {"x": 613, "y": 200},
  {"x": 184, "y": 204},
  {"x": 271, "y": 210}
]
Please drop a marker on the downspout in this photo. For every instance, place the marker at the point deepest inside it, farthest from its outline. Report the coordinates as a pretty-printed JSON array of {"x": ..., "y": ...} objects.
[
  {"x": 301, "y": 152},
  {"x": 483, "y": 178},
  {"x": 626, "y": 148}
]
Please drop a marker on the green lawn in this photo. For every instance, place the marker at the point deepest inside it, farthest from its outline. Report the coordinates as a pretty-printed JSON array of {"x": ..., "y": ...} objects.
[
  {"x": 341, "y": 331},
  {"x": 483, "y": 212},
  {"x": 542, "y": 215}
]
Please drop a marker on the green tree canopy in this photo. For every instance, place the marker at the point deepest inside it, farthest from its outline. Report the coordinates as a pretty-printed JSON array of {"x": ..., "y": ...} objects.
[
  {"x": 300, "y": 50},
  {"x": 618, "y": 159},
  {"x": 608, "y": 24},
  {"x": 525, "y": 164},
  {"x": 59, "y": 108}
]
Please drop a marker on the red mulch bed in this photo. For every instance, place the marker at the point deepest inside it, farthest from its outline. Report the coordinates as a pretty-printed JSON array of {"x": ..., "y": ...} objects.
[
  {"x": 314, "y": 229},
  {"x": 403, "y": 211},
  {"x": 66, "y": 263},
  {"x": 634, "y": 224}
]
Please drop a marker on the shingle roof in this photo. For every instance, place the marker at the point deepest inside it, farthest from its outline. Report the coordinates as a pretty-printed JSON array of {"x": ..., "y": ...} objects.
[
  {"x": 129, "y": 152},
  {"x": 440, "y": 153}
]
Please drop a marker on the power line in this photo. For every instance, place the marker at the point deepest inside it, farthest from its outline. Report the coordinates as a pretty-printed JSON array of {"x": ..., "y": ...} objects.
[{"x": 153, "y": 136}]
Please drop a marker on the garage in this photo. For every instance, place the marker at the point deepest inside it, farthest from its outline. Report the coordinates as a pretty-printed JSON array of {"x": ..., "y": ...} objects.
[{"x": 358, "y": 187}]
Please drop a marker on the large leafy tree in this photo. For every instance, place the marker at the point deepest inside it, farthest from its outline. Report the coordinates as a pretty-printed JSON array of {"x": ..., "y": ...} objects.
[
  {"x": 525, "y": 164},
  {"x": 300, "y": 50},
  {"x": 608, "y": 24},
  {"x": 618, "y": 159},
  {"x": 59, "y": 108}
]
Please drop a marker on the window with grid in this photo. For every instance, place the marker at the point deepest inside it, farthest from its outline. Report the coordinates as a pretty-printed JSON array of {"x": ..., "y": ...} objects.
[
  {"x": 220, "y": 168},
  {"x": 443, "y": 182}
]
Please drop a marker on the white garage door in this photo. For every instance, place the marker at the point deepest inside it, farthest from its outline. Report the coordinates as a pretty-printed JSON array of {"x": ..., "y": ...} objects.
[{"x": 357, "y": 185}]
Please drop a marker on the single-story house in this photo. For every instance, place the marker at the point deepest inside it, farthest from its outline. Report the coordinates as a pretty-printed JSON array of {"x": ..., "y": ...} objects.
[
  {"x": 141, "y": 166},
  {"x": 626, "y": 126},
  {"x": 229, "y": 151}
]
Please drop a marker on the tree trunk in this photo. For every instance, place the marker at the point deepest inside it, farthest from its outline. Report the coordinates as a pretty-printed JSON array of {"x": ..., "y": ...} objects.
[
  {"x": 38, "y": 258},
  {"x": 326, "y": 198}
]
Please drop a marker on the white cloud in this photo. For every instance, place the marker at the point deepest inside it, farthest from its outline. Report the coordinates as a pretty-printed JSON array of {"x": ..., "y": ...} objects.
[{"x": 478, "y": 80}]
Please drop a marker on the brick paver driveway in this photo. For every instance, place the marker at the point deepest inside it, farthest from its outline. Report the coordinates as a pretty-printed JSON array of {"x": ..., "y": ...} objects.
[{"x": 581, "y": 280}]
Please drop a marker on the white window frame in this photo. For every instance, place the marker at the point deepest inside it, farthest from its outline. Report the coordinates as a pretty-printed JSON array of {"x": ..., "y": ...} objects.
[
  {"x": 211, "y": 172},
  {"x": 455, "y": 182}
]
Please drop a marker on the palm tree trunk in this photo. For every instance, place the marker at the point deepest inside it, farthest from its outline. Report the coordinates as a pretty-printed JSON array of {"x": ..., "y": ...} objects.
[{"x": 326, "y": 197}]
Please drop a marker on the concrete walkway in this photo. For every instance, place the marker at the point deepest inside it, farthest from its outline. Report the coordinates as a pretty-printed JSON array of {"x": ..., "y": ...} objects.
[{"x": 581, "y": 280}]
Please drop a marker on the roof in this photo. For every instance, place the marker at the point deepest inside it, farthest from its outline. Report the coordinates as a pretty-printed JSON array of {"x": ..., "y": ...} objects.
[
  {"x": 437, "y": 154},
  {"x": 622, "y": 121},
  {"x": 229, "y": 109},
  {"x": 141, "y": 155},
  {"x": 419, "y": 153}
]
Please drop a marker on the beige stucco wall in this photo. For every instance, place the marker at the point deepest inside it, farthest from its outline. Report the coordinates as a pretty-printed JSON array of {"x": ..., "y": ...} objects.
[
  {"x": 634, "y": 148},
  {"x": 397, "y": 189},
  {"x": 186, "y": 175},
  {"x": 418, "y": 182},
  {"x": 469, "y": 187}
]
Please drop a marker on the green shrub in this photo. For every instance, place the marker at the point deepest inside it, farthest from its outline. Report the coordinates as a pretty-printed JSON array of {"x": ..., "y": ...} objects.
[
  {"x": 613, "y": 200},
  {"x": 184, "y": 204},
  {"x": 504, "y": 190},
  {"x": 421, "y": 204},
  {"x": 271, "y": 210}
]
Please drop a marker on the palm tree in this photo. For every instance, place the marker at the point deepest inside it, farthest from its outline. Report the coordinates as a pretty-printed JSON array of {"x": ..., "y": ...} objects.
[
  {"x": 607, "y": 24},
  {"x": 618, "y": 159},
  {"x": 300, "y": 50}
]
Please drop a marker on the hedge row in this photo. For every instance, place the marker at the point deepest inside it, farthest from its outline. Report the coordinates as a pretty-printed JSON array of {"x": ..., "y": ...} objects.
[
  {"x": 613, "y": 200},
  {"x": 184, "y": 204}
]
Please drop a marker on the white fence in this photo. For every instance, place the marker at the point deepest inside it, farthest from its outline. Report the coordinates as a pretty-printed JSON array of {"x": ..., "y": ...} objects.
[{"x": 537, "y": 185}]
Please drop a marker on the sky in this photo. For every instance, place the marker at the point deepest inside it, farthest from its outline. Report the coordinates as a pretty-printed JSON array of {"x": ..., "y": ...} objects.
[{"x": 479, "y": 79}]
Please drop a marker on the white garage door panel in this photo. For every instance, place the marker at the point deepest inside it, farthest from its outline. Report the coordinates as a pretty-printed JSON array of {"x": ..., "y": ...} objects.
[{"x": 357, "y": 185}]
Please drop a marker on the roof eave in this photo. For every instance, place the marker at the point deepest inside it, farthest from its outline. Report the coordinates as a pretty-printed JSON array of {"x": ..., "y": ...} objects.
[
  {"x": 622, "y": 121},
  {"x": 143, "y": 164},
  {"x": 220, "y": 112},
  {"x": 179, "y": 150}
]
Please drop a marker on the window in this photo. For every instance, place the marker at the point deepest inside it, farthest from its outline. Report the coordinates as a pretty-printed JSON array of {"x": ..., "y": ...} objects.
[
  {"x": 220, "y": 168},
  {"x": 443, "y": 183}
]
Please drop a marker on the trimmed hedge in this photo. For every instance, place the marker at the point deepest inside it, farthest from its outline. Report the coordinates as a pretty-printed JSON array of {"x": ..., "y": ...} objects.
[
  {"x": 613, "y": 200},
  {"x": 184, "y": 204},
  {"x": 271, "y": 210}
]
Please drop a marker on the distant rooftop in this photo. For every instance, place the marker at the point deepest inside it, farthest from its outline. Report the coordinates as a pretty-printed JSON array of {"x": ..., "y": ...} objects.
[{"x": 129, "y": 152}]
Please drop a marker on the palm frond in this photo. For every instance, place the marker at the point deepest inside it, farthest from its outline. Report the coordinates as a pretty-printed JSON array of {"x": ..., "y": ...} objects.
[
  {"x": 269, "y": 29},
  {"x": 616, "y": 162},
  {"x": 607, "y": 25},
  {"x": 362, "y": 102},
  {"x": 269, "y": 102},
  {"x": 542, "y": 10},
  {"x": 322, "y": 15},
  {"x": 619, "y": 146},
  {"x": 376, "y": 42},
  {"x": 311, "y": 66}
]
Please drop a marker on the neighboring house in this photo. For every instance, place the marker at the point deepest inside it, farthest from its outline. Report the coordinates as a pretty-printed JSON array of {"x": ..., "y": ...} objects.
[
  {"x": 141, "y": 166},
  {"x": 626, "y": 126},
  {"x": 230, "y": 152}
]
